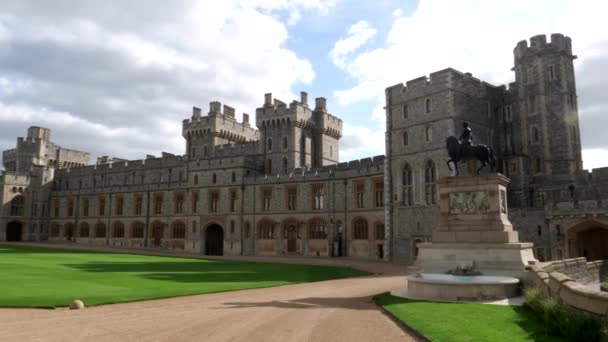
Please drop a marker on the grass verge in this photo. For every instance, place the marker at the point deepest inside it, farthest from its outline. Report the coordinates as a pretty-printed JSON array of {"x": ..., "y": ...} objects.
[
  {"x": 461, "y": 322},
  {"x": 46, "y": 277}
]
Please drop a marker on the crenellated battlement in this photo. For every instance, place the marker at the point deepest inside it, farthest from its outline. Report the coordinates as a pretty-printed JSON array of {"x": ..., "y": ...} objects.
[
  {"x": 275, "y": 112},
  {"x": 441, "y": 80},
  {"x": 219, "y": 122},
  {"x": 539, "y": 43}
]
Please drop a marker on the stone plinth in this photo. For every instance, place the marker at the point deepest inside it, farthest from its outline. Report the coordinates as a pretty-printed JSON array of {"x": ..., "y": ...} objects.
[
  {"x": 474, "y": 209},
  {"x": 474, "y": 228}
]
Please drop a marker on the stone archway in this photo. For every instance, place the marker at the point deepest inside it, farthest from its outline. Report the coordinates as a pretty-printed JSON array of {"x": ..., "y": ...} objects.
[
  {"x": 157, "y": 233},
  {"x": 416, "y": 242},
  {"x": 214, "y": 240},
  {"x": 14, "y": 231},
  {"x": 588, "y": 239}
]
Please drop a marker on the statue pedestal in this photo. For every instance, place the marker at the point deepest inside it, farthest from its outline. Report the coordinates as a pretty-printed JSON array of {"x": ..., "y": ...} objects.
[{"x": 474, "y": 228}]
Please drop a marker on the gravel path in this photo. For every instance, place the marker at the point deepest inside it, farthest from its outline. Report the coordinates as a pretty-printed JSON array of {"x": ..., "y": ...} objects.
[{"x": 335, "y": 310}]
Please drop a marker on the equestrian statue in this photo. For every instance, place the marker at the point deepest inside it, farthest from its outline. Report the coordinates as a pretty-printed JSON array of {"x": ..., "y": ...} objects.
[{"x": 464, "y": 149}]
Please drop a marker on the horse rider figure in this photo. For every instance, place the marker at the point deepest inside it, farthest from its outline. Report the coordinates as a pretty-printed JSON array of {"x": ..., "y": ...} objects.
[{"x": 466, "y": 139}]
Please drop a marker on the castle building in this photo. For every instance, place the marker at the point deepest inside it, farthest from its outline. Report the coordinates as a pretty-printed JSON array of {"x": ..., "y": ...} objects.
[{"x": 279, "y": 188}]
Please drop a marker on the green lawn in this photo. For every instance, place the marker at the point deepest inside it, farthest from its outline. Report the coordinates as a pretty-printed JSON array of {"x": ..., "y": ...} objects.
[
  {"x": 41, "y": 277},
  {"x": 466, "y": 322}
]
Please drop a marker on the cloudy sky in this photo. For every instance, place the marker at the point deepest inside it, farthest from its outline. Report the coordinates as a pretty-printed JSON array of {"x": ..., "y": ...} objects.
[{"x": 117, "y": 77}]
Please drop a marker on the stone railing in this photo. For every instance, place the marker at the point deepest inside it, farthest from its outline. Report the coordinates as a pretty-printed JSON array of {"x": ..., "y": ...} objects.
[{"x": 574, "y": 282}]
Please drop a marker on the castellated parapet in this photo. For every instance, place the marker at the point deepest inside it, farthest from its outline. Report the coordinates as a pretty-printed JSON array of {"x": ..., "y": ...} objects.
[
  {"x": 220, "y": 122},
  {"x": 539, "y": 43},
  {"x": 298, "y": 114},
  {"x": 439, "y": 81}
]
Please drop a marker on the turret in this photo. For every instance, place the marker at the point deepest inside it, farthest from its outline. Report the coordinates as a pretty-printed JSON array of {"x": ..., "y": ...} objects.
[{"x": 549, "y": 116}]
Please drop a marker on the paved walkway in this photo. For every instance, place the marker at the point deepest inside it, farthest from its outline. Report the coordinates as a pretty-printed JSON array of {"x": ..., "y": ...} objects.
[{"x": 336, "y": 310}]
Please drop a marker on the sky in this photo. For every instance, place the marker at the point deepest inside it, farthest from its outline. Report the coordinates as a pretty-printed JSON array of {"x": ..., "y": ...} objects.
[{"x": 117, "y": 77}]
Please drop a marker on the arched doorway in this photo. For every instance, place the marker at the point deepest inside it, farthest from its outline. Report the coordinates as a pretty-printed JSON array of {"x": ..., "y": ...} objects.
[
  {"x": 14, "y": 230},
  {"x": 69, "y": 231},
  {"x": 157, "y": 233},
  {"x": 588, "y": 239},
  {"x": 214, "y": 240},
  {"x": 291, "y": 233},
  {"x": 416, "y": 242}
]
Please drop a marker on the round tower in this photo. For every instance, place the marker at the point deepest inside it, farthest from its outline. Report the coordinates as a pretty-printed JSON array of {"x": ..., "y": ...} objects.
[{"x": 546, "y": 89}]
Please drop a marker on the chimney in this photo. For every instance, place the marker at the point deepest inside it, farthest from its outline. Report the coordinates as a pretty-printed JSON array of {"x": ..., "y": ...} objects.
[
  {"x": 304, "y": 98},
  {"x": 267, "y": 99},
  {"x": 320, "y": 103},
  {"x": 196, "y": 112},
  {"x": 246, "y": 118}
]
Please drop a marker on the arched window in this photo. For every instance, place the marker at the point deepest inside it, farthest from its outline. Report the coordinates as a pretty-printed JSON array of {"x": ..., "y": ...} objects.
[
  {"x": 214, "y": 178},
  {"x": 428, "y": 106},
  {"x": 84, "y": 230},
  {"x": 284, "y": 143},
  {"x": 247, "y": 230},
  {"x": 269, "y": 144},
  {"x": 407, "y": 185},
  {"x": 379, "y": 231},
  {"x": 233, "y": 177},
  {"x": 195, "y": 179},
  {"x": 405, "y": 113},
  {"x": 405, "y": 139},
  {"x": 284, "y": 164},
  {"x": 100, "y": 230},
  {"x": 428, "y": 133},
  {"x": 266, "y": 230},
  {"x": 179, "y": 230},
  {"x": 535, "y": 134},
  {"x": 269, "y": 166},
  {"x": 317, "y": 230},
  {"x": 360, "y": 230},
  {"x": 17, "y": 205},
  {"x": 205, "y": 151},
  {"x": 118, "y": 231},
  {"x": 137, "y": 230},
  {"x": 429, "y": 180},
  {"x": 179, "y": 204}
]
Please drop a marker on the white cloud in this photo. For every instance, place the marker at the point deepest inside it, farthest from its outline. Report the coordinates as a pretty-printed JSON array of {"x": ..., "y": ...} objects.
[
  {"x": 118, "y": 78},
  {"x": 473, "y": 36},
  {"x": 595, "y": 158},
  {"x": 360, "y": 141},
  {"x": 398, "y": 12},
  {"x": 358, "y": 35}
]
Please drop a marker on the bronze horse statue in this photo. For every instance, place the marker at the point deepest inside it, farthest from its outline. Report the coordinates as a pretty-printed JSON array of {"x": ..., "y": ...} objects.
[{"x": 458, "y": 152}]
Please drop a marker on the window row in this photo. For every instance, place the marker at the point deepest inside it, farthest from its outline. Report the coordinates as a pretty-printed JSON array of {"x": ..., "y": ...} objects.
[
  {"x": 118, "y": 230},
  {"x": 428, "y": 136},
  {"x": 405, "y": 110},
  {"x": 157, "y": 205},
  {"x": 317, "y": 230},
  {"x": 131, "y": 179}
]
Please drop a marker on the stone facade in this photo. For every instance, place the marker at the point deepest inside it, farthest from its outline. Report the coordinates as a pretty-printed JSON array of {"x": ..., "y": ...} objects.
[
  {"x": 278, "y": 188},
  {"x": 533, "y": 126}
]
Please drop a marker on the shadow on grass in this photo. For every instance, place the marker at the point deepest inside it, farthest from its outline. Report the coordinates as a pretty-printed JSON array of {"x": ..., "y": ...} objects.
[
  {"x": 12, "y": 249},
  {"x": 525, "y": 318},
  {"x": 197, "y": 271}
]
